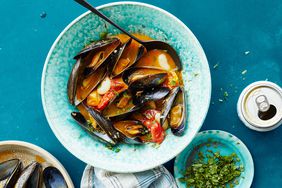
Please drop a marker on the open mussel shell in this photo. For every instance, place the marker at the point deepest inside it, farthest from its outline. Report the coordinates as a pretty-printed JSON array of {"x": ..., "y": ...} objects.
[
  {"x": 105, "y": 124},
  {"x": 86, "y": 85},
  {"x": 132, "y": 130},
  {"x": 132, "y": 52},
  {"x": 90, "y": 68},
  {"x": 53, "y": 178},
  {"x": 139, "y": 79},
  {"x": 79, "y": 118},
  {"x": 150, "y": 94},
  {"x": 121, "y": 106},
  {"x": 95, "y": 46},
  {"x": 72, "y": 82},
  {"x": 30, "y": 176},
  {"x": 167, "y": 104},
  {"x": 10, "y": 171},
  {"x": 177, "y": 114}
]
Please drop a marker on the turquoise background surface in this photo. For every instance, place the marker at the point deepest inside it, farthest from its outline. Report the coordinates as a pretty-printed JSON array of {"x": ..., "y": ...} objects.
[{"x": 236, "y": 35}]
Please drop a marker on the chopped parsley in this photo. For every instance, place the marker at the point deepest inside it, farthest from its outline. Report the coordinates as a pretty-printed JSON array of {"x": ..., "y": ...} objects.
[
  {"x": 215, "y": 66},
  {"x": 244, "y": 72},
  {"x": 212, "y": 170},
  {"x": 113, "y": 148},
  {"x": 103, "y": 35}
]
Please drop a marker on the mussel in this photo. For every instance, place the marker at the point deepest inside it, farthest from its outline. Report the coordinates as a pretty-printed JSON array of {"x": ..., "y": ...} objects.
[
  {"x": 10, "y": 171},
  {"x": 132, "y": 52},
  {"x": 88, "y": 71},
  {"x": 30, "y": 176},
  {"x": 132, "y": 130},
  {"x": 177, "y": 114},
  {"x": 139, "y": 79},
  {"x": 53, "y": 178},
  {"x": 167, "y": 104},
  {"x": 79, "y": 118},
  {"x": 122, "y": 105},
  {"x": 151, "y": 94}
]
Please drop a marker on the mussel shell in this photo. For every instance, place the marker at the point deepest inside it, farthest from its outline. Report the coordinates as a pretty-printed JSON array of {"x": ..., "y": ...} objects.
[
  {"x": 151, "y": 94},
  {"x": 95, "y": 46},
  {"x": 30, "y": 176},
  {"x": 127, "y": 51},
  {"x": 179, "y": 100},
  {"x": 72, "y": 82},
  {"x": 53, "y": 178},
  {"x": 10, "y": 171},
  {"x": 95, "y": 79},
  {"x": 139, "y": 79},
  {"x": 129, "y": 139},
  {"x": 116, "y": 57},
  {"x": 105, "y": 124},
  {"x": 78, "y": 117},
  {"x": 112, "y": 111},
  {"x": 167, "y": 104}
]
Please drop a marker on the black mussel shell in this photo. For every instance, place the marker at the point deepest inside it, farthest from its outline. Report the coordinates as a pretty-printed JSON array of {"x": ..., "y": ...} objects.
[
  {"x": 116, "y": 57},
  {"x": 141, "y": 51},
  {"x": 105, "y": 124},
  {"x": 140, "y": 79},
  {"x": 30, "y": 176},
  {"x": 78, "y": 117},
  {"x": 179, "y": 101},
  {"x": 95, "y": 46},
  {"x": 53, "y": 178},
  {"x": 72, "y": 82},
  {"x": 114, "y": 113},
  {"x": 151, "y": 94},
  {"x": 167, "y": 104},
  {"x": 95, "y": 79},
  {"x": 137, "y": 128},
  {"x": 10, "y": 171}
]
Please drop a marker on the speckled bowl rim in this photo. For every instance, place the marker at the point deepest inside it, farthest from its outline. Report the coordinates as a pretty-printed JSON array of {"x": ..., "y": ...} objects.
[
  {"x": 242, "y": 149},
  {"x": 45, "y": 154},
  {"x": 200, "y": 51}
]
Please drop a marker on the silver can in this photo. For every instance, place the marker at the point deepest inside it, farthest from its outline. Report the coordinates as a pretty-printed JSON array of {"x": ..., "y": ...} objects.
[{"x": 260, "y": 106}]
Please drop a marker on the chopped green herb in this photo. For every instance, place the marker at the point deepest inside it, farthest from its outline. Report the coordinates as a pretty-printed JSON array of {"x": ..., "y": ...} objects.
[
  {"x": 113, "y": 148},
  {"x": 212, "y": 170},
  {"x": 196, "y": 74},
  {"x": 244, "y": 72},
  {"x": 225, "y": 95},
  {"x": 215, "y": 66},
  {"x": 103, "y": 35}
]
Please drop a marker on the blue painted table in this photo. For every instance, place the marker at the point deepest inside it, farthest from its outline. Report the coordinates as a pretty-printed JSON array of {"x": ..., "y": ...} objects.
[{"x": 236, "y": 36}]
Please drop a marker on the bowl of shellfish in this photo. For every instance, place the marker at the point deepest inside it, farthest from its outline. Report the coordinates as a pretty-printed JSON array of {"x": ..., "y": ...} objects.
[
  {"x": 26, "y": 165},
  {"x": 118, "y": 105}
]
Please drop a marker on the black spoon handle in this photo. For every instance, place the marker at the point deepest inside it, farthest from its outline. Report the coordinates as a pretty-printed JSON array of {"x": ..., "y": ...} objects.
[{"x": 101, "y": 15}]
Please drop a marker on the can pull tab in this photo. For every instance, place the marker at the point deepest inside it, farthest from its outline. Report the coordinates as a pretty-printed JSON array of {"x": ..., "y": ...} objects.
[{"x": 262, "y": 103}]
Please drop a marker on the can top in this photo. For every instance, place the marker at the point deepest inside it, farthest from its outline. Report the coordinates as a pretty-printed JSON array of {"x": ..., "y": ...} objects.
[{"x": 262, "y": 104}]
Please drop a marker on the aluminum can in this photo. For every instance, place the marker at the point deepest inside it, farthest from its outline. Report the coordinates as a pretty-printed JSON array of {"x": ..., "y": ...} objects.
[{"x": 260, "y": 106}]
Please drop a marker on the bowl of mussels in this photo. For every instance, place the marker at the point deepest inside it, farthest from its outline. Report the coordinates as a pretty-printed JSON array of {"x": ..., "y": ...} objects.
[
  {"x": 116, "y": 104},
  {"x": 25, "y": 165}
]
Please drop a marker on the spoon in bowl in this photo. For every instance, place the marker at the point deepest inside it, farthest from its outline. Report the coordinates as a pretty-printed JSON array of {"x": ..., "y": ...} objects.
[{"x": 149, "y": 45}]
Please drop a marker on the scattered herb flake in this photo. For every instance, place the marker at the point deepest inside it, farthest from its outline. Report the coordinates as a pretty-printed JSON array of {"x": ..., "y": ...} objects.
[
  {"x": 103, "y": 35},
  {"x": 215, "y": 66},
  {"x": 225, "y": 94},
  {"x": 247, "y": 52},
  {"x": 244, "y": 72}
]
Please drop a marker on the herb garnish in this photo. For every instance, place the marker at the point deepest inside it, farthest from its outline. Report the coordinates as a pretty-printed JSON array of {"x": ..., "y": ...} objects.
[
  {"x": 113, "y": 148},
  {"x": 213, "y": 170}
]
